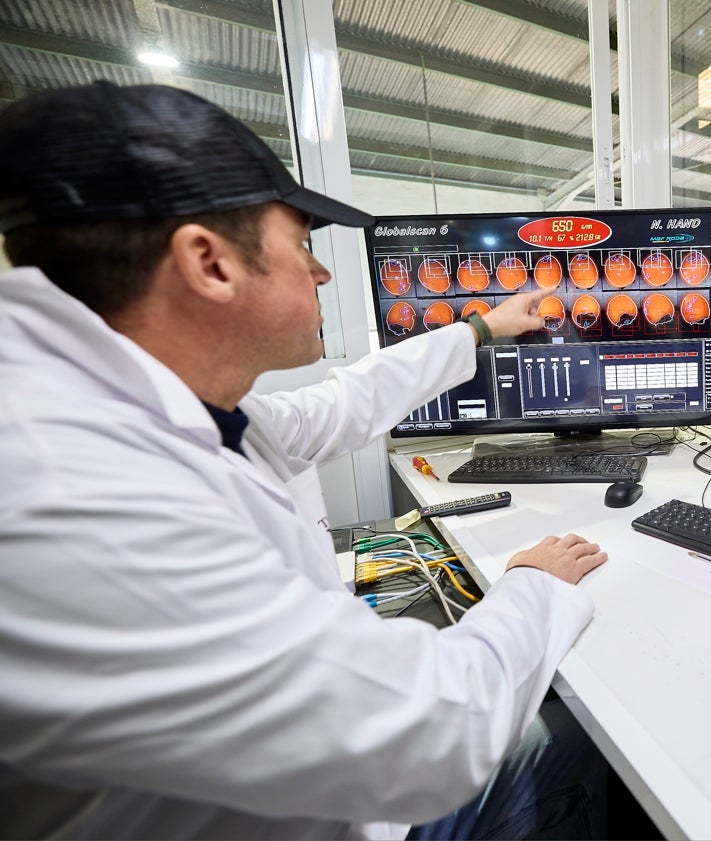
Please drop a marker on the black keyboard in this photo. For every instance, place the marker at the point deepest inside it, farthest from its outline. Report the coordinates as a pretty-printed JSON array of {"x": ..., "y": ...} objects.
[
  {"x": 532, "y": 469},
  {"x": 683, "y": 523}
]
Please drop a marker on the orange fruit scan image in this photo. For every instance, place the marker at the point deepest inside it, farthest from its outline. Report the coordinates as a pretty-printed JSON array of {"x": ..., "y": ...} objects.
[
  {"x": 658, "y": 309},
  {"x": 585, "y": 311},
  {"x": 552, "y": 312},
  {"x": 583, "y": 271},
  {"x": 395, "y": 277},
  {"x": 400, "y": 318},
  {"x": 694, "y": 308},
  {"x": 433, "y": 275},
  {"x": 475, "y": 306},
  {"x": 621, "y": 311},
  {"x": 694, "y": 268},
  {"x": 657, "y": 268},
  {"x": 547, "y": 273},
  {"x": 439, "y": 314},
  {"x": 472, "y": 275},
  {"x": 511, "y": 273},
  {"x": 620, "y": 271}
]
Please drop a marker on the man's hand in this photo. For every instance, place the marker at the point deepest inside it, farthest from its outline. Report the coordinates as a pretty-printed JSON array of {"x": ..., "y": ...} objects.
[
  {"x": 517, "y": 314},
  {"x": 568, "y": 558}
]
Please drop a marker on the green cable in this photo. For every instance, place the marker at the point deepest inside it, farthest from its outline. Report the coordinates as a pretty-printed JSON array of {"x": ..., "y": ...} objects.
[{"x": 365, "y": 544}]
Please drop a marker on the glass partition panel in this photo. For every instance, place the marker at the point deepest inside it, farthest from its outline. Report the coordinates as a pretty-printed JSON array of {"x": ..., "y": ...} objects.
[
  {"x": 219, "y": 50},
  {"x": 461, "y": 103},
  {"x": 224, "y": 50},
  {"x": 690, "y": 36},
  {"x": 463, "y": 106}
]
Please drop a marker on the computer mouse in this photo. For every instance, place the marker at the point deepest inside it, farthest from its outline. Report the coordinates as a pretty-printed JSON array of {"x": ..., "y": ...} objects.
[{"x": 621, "y": 494}]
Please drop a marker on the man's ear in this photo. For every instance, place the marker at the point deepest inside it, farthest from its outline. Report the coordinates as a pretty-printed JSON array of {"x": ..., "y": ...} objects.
[{"x": 207, "y": 262}]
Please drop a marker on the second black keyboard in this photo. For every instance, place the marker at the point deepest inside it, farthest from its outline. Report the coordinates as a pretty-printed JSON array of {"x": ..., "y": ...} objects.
[
  {"x": 532, "y": 469},
  {"x": 682, "y": 523}
]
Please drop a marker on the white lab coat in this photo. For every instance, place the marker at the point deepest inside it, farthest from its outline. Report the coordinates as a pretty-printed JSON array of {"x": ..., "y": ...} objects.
[{"x": 178, "y": 655}]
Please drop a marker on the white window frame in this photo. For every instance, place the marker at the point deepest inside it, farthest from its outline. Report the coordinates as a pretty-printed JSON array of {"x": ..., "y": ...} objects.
[
  {"x": 356, "y": 487},
  {"x": 643, "y": 50}
]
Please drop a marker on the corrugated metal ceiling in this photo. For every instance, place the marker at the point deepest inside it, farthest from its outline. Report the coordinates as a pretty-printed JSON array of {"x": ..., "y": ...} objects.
[{"x": 499, "y": 88}]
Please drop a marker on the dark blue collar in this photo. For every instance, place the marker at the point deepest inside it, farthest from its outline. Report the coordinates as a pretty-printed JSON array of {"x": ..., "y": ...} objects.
[{"x": 230, "y": 424}]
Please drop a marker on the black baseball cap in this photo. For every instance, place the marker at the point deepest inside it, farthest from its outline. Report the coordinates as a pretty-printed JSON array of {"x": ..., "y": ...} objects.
[{"x": 103, "y": 151}]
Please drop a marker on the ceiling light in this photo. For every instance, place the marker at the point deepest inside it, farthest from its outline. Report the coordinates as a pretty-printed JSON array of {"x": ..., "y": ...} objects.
[{"x": 156, "y": 58}]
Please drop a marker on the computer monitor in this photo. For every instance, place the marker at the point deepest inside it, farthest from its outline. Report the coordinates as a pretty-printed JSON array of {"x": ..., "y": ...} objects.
[{"x": 626, "y": 342}]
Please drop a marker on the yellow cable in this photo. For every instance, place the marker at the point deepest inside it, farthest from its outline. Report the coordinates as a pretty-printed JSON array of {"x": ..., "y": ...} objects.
[
  {"x": 458, "y": 587},
  {"x": 370, "y": 571}
]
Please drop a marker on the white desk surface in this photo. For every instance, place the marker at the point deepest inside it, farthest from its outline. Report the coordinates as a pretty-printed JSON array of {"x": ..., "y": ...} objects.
[{"x": 639, "y": 676}]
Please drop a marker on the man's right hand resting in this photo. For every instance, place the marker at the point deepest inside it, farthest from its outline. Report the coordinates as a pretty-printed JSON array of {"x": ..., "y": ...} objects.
[{"x": 568, "y": 558}]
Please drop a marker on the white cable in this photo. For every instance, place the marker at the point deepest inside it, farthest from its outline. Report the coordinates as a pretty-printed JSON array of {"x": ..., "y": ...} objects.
[
  {"x": 396, "y": 596},
  {"x": 417, "y": 562}
]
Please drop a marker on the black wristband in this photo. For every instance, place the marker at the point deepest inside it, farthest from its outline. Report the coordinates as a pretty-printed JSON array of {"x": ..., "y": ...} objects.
[{"x": 481, "y": 327}]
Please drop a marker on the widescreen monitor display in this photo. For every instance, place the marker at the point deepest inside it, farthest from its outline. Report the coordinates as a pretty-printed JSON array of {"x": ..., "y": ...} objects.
[{"x": 627, "y": 339}]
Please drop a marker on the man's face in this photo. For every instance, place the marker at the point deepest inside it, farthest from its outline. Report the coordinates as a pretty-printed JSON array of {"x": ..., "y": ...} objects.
[{"x": 282, "y": 306}]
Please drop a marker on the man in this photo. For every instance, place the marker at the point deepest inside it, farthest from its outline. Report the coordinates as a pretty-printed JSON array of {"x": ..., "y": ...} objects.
[{"x": 179, "y": 657}]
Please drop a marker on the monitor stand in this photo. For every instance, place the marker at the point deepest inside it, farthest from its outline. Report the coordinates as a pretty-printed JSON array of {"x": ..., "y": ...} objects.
[{"x": 648, "y": 442}]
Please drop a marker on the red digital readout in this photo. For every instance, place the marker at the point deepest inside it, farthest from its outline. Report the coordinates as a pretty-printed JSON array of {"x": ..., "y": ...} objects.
[{"x": 564, "y": 232}]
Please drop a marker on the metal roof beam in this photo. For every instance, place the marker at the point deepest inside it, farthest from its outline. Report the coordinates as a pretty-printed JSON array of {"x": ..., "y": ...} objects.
[
  {"x": 221, "y": 10},
  {"x": 420, "y": 153},
  {"x": 362, "y": 144},
  {"x": 63, "y": 45},
  {"x": 571, "y": 27},
  {"x": 467, "y": 69},
  {"x": 524, "y": 12},
  {"x": 688, "y": 163},
  {"x": 78, "y": 49},
  {"x": 469, "y": 122}
]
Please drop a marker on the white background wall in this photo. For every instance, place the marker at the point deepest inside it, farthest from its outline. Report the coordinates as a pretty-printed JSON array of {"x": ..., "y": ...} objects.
[{"x": 3, "y": 260}]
